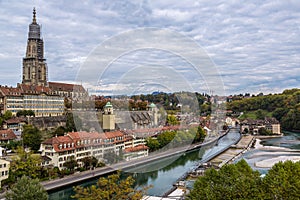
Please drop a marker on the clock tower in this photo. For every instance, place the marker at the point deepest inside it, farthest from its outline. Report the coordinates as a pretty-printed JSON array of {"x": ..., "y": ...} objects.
[{"x": 34, "y": 63}]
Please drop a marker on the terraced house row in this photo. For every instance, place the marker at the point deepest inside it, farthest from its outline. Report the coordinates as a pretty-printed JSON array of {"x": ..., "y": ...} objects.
[{"x": 78, "y": 145}]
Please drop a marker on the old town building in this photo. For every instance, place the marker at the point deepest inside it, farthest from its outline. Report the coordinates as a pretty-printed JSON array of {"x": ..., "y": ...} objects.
[
  {"x": 78, "y": 145},
  {"x": 253, "y": 126}
]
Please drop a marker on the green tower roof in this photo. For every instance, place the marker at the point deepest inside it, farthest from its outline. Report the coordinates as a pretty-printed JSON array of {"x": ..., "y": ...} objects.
[
  {"x": 108, "y": 104},
  {"x": 152, "y": 105}
]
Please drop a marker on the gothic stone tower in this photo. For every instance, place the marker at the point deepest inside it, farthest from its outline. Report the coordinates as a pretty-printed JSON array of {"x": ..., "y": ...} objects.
[{"x": 34, "y": 65}]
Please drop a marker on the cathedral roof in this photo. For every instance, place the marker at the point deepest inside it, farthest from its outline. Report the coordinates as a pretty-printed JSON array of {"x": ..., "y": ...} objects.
[
  {"x": 66, "y": 87},
  {"x": 34, "y": 88}
]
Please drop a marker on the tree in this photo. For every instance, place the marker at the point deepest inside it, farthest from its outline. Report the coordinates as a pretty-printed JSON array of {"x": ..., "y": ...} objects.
[
  {"x": 171, "y": 120},
  {"x": 71, "y": 164},
  {"x": 233, "y": 181},
  {"x": 25, "y": 113},
  {"x": 27, "y": 188},
  {"x": 111, "y": 187},
  {"x": 152, "y": 143},
  {"x": 264, "y": 131},
  {"x": 282, "y": 181},
  {"x": 60, "y": 131},
  {"x": 25, "y": 164},
  {"x": 259, "y": 114},
  {"x": 200, "y": 134},
  {"x": 7, "y": 115},
  {"x": 166, "y": 138},
  {"x": 32, "y": 137},
  {"x": 89, "y": 162},
  {"x": 278, "y": 113}
]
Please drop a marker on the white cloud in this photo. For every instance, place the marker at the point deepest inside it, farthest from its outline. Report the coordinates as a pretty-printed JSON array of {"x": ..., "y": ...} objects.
[{"x": 256, "y": 41}]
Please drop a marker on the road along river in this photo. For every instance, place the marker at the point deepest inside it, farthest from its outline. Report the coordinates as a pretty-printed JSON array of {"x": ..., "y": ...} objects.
[{"x": 162, "y": 179}]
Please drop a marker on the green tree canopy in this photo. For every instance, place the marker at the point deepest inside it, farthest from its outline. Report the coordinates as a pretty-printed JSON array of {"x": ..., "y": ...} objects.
[
  {"x": 71, "y": 164},
  {"x": 32, "y": 137},
  {"x": 7, "y": 115},
  {"x": 25, "y": 113},
  {"x": 27, "y": 188},
  {"x": 234, "y": 181},
  {"x": 25, "y": 164},
  {"x": 239, "y": 181},
  {"x": 283, "y": 181},
  {"x": 152, "y": 143},
  {"x": 172, "y": 120},
  {"x": 111, "y": 187}
]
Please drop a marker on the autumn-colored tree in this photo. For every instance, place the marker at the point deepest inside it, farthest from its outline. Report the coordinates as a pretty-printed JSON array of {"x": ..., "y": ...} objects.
[{"x": 110, "y": 188}]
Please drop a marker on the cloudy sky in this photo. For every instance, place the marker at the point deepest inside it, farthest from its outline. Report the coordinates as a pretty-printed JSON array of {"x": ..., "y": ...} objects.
[{"x": 249, "y": 46}]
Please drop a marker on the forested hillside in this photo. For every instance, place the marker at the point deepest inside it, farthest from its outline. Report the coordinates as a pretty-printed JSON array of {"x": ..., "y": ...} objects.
[{"x": 285, "y": 107}]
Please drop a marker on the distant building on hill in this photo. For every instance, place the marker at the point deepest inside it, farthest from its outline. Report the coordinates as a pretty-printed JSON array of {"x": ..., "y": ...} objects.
[{"x": 252, "y": 126}]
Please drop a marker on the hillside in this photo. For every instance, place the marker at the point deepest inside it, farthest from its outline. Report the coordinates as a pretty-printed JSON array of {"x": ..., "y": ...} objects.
[{"x": 285, "y": 107}]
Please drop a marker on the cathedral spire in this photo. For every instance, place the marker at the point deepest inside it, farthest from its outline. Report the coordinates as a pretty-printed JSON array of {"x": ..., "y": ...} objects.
[
  {"x": 34, "y": 17},
  {"x": 34, "y": 65}
]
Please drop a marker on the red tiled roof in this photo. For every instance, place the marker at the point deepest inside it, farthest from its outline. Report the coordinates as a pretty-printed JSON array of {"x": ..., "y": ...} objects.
[
  {"x": 10, "y": 91},
  {"x": 15, "y": 120},
  {"x": 113, "y": 134},
  {"x": 84, "y": 135},
  {"x": 7, "y": 135},
  {"x": 74, "y": 137},
  {"x": 24, "y": 89},
  {"x": 66, "y": 87},
  {"x": 139, "y": 147},
  {"x": 60, "y": 140}
]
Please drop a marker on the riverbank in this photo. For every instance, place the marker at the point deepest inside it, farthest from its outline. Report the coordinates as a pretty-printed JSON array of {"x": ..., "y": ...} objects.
[
  {"x": 86, "y": 175},
  {"x": 221, "y": 147}
]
